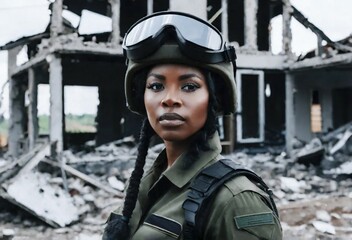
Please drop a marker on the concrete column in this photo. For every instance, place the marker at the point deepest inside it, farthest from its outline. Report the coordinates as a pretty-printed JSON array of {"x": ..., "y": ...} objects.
[
  {"x": 115, "y": 17},
  {"x": 56, "y": 102},
  {"x": 286, "y": 27},
  {"x": 16, "y": 106},
  {"x": 197, "y": 8},
  {"x": 319, "y": 50},
  {"x": 250, "y": 23},
  {"x": 56, "y": 27},
  {"x": 290, "y": 111},
  {"x": 224, "y": 20},
  {"x": 33, "y": 126},
  {"x": 150, "y": 6}
]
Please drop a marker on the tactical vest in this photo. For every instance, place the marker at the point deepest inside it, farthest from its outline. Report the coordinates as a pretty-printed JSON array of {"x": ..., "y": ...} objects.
[{"x": 204, "y": 188}]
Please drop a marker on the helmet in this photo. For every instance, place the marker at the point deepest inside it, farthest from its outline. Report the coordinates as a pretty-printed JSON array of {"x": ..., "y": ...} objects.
[{"x": 184, "y": 49}]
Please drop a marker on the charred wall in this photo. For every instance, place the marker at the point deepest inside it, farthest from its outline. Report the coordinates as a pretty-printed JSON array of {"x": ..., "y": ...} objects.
[
  {"x": 107, "y": 73},
  {"x": 112, "y": 103},
  {"x": 263, "y": 25},
  {"x": 160, "y": 5},
  {"x": 130, "y": 12},
  {"x": 98, "y": 6},
  {"x": 113, "y": 119},
  {"x": 275, "y": 107},
  {"x": 236, "y": 21},
  {"x": 235, "y": 10},
  {"x": 341, "y": 97}
]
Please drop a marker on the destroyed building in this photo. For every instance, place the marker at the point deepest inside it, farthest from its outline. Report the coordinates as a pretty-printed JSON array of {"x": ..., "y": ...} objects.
[{"x": 281, "y": 97}]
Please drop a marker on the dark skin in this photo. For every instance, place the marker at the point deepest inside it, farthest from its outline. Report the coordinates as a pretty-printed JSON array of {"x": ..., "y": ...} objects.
[{"x": 176, "y": 100}]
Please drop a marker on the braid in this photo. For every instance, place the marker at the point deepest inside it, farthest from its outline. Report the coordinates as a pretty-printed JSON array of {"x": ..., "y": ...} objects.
[
  {"x": 118, "y": 228},
  {"x": 133, "y": 188}
]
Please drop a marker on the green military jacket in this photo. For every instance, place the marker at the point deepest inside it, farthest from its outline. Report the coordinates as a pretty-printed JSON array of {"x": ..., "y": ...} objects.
[{"x": 239, "y": 211}]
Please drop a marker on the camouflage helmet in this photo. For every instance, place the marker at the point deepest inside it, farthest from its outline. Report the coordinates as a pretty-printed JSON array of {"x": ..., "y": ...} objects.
[{"x": 170, "y": 53}]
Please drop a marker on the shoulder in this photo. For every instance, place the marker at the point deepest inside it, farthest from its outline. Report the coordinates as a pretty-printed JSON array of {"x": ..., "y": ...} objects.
[
  {"x": 243, "y": 212},
  {"x": 241, "y": 184},
  {"x": 241, "y": 192}
]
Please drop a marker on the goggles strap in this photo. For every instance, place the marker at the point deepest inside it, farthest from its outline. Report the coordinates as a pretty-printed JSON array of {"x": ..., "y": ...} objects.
[{"x": 230, "y": 53}]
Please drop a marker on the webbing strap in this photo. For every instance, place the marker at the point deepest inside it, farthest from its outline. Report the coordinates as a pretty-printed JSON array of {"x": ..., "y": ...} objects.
[{"x": 204, "y": 187}]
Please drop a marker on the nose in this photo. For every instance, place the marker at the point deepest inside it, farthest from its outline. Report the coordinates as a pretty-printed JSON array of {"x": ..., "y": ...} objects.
[{"x": 171, "y": 99}]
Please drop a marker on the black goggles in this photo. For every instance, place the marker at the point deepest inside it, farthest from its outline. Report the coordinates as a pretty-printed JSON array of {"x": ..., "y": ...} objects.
[{"x": 196, "y": 38}]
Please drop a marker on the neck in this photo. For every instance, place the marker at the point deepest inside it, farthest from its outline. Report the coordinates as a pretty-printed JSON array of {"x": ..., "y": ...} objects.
[{"x": 174, "y": 150}]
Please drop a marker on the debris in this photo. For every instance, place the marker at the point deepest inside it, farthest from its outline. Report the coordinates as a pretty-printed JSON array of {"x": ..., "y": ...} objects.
[
  {"x": 344, "y": 168},
  {"x": 115, "y": 183},
  {"x": 42, "y": 195},
  {"x": 323, "y": 215},
  {"x": 279, "y": 194},
  {"x": 31, "y": 192},
  {"x": 312, "y": 153},
  {"x": 342, "y": 142},
  {"x": 2, "y": 163},
  {"x": 296, "y": 143},
  {"x": 331, "y": 136},
  {"x": 96, "y": 177},
  {"x": 291, "y": 184},
  {"x": 86, "y": 178},
  {"x": 24, "y": 163},
  {"x": 331, "y": 152},
  {"x": 335, "y": 215},
  {"x": 35, "y": 159},
  {"x": 8, "y": 234},
  {"x": 347, "y": 216},
  {"x": 324, "y": 227},
  {"x": 83, "y": 236}
]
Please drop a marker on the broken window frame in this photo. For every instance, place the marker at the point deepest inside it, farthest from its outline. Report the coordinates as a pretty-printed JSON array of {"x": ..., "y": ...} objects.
[
  {"x": 261, "y": 106},
  {"x": 316, "y": 120}
]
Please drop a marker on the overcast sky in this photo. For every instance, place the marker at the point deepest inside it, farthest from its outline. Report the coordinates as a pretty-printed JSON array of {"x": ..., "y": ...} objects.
[{"x": 20, "y": 18}]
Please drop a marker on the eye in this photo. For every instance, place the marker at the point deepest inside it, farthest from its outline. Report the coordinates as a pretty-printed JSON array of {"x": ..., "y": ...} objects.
[
  {"x": 155, "y": 86},
  {"x": 190, "y": 87}
]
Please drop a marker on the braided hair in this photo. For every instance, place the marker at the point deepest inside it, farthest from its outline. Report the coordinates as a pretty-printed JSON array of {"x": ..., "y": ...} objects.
[{"x": 118, "y": 228}]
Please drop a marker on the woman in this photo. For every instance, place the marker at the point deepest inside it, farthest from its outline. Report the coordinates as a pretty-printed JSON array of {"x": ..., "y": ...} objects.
[{"x": 181, "y": 77}]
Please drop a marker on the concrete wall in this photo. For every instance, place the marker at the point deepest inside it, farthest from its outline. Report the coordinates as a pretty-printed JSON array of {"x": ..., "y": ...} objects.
[
  {"x": 303, "y": 83},
  {"x": 195, "y": 7}
]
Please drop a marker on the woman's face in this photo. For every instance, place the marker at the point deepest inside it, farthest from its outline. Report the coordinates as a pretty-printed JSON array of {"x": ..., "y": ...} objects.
[{"x": 176, "y": 100}]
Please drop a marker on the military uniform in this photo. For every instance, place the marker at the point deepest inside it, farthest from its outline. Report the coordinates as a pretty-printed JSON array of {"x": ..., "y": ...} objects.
[{"x": 239, "y": 211}]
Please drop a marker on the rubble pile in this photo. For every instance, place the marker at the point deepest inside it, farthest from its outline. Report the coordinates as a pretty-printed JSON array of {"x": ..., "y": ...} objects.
[{"x": 75, "y": 195}]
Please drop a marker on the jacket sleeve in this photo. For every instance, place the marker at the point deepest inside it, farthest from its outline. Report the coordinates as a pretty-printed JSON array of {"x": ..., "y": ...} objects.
[{"x": 245, "y": 215}]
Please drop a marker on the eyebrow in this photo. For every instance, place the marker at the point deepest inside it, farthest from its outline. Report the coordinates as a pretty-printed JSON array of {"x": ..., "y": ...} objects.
[
  {"x": 182, "y": 77},
  {"x": 158, "y": 76},
  {"x": 189, "y": 75}
]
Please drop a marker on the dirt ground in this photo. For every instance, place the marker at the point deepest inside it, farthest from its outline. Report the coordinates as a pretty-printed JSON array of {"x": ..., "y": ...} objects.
[
  {"x": 296, "y": 219},
  {"x": 312, "y": 206}
]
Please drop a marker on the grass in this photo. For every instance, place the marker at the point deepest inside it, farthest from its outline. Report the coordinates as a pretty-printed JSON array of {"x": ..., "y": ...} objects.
[{"x": 74, "y": 123}]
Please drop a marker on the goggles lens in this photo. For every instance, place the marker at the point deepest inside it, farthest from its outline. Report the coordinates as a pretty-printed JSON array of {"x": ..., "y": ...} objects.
[{"x": 191, "y": 29}]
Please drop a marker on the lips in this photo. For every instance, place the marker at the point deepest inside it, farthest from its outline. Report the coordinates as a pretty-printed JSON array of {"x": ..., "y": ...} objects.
[
  {"x": 171, "y": 120},
  {"x": 171, "y": 117}
]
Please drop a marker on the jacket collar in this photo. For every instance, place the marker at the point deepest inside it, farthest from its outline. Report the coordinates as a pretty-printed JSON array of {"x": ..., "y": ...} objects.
[{"x": 178, "y": 175}]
